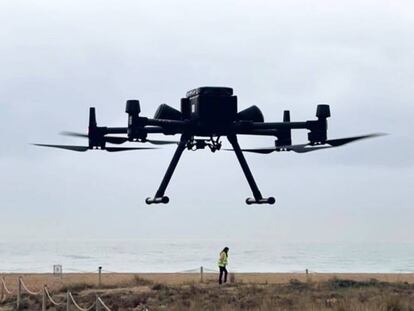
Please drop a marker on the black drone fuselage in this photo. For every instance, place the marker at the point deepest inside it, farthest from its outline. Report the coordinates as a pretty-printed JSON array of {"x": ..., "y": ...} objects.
[
  {"x": 206, "y": 114},
  {"x": 212, "y": 112}
]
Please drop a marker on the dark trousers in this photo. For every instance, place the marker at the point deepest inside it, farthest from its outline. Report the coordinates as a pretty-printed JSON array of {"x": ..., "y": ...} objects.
[{"x": 223, "y": 270}]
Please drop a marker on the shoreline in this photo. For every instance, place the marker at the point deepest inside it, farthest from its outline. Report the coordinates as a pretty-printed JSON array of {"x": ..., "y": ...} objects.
[{"x": 55, "y": 282}]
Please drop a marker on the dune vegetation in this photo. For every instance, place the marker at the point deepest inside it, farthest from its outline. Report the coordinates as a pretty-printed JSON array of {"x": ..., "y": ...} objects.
[{"x": 142, "y": 294}]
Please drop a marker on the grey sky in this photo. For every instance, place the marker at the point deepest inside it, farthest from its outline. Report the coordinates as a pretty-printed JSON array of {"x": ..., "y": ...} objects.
[{"x": 57, "y": 58}]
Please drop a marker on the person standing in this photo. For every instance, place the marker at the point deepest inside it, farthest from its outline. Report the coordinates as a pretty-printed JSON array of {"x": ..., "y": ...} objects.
[{"x": 222, "y": 263}]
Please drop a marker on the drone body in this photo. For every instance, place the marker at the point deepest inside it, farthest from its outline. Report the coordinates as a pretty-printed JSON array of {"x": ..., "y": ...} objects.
[{"x": 207, "y": 114}]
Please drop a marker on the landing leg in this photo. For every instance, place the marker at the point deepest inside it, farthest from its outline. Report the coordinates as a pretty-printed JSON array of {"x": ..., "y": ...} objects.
[
  {"x": 159, "y": 195},
  {"x": 258, "y": 199}
]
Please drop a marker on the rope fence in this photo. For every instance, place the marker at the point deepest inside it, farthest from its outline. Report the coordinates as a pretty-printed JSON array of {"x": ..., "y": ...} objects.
[
  {"x": 4, "y": 290},
  {"x": 70, "y": 301},
  {"x": 27, "y": 290},
  {"x": 70, "y": 298},
  {"x": 55, "y": 303},
  {"x": 100, "y": 303}
]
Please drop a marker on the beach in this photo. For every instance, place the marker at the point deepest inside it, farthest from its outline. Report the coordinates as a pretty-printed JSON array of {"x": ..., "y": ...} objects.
[
  {"x": 35, "y": 281},
  {"x": 188, "y": 291}
]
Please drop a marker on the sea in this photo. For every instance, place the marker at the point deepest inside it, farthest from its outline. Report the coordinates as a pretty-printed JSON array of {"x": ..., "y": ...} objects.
[{"x": 188, "y": 255}]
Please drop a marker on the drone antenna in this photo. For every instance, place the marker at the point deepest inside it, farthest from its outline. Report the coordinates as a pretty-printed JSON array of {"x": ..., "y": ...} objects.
[
  {"x": 92, "y": 118},
  {"x": 286, "y": 116}
]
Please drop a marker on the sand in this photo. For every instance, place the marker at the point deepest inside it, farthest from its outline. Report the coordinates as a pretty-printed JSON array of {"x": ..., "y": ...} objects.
[
  {"x": 35, "y": 281},
  {"x": 250, "y": 291}
]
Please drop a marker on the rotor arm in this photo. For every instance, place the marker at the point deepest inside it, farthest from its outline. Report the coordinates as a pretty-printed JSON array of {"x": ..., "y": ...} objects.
[
  {"x": 145, "y": 129},
  {"x": 155, "y": 130},
  {"x": 258, "y": 198},
  {"x": 116, "y": 130},
  {"x": 322, "y": 113},
  {"x": 317, "y": 129},
  {"x": 159, "y": 195},
  {"x": 258, "y": 132},
  {"x": 168, "y": 124},
  {"x": 281, "y": 125}
]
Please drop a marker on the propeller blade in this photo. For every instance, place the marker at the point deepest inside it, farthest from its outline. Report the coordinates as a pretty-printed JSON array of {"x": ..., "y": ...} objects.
[
  {"x": 116, "y": 149},
  {"x": 342, "y": 141},
  {"x": 161, "y": 142},
  {"x": 73, "y": 134},
  {"x": 303, "y": 149},
  {"x": 115, "y": 139},
  {"x": 295, "y": 148},
  {"x": 85, "y": 148},
  {"x": 72, "y": 148},
  {"x": 332, "y": 142},
  {"x": 109, "y": 139},
  {"x": 120, "y": 140},
  {"x": 258, "y": 150}
]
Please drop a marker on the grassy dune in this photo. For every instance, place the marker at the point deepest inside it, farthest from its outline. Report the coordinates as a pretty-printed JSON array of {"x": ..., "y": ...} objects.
[{"x": 263, "y": 292}]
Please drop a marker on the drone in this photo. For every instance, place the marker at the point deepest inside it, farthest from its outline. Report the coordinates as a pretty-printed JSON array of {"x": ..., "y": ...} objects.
[{"x": 206, "y": 115}]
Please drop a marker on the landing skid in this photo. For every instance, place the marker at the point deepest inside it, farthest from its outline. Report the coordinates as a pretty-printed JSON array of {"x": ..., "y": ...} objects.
[{"x": 191, "y": 144}]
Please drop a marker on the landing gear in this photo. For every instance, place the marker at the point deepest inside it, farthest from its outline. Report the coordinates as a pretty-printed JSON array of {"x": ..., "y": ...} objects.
[
  {"x": 157, "y": 200},
  {"x": 213, "y": 143},
  {"x": 159, "y": 195},
  {"x": 258, "y": 198},
  {"x": 269, "y": 200}
]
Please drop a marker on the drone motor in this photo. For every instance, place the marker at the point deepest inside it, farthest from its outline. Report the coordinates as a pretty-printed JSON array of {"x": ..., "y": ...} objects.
[
  {"x": 284, "y": 135},
  {"x": 253, "y": 114},
  {"x": 165, "y": 112},
  {"x": 319, "y": 128}
]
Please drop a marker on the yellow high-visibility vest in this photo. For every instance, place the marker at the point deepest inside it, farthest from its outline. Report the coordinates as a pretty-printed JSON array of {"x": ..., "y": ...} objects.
[{"x": 223, "y": 259}]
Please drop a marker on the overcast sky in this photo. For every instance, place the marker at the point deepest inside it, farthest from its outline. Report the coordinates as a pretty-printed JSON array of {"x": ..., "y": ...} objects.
[{"x": 58, "y": 58}]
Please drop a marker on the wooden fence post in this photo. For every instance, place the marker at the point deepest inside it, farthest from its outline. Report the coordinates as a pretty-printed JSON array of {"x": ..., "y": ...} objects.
[
  {"x": 67, "y": 301},
  {"x": 307, "y": 275},
  {"x": 98, "y": 304},
  {"x": 44, "y": 298},
  {"x": 19, "y": 292},
  {"x": 2, "y": 290},
  {"x": 100, "y": 277}
]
